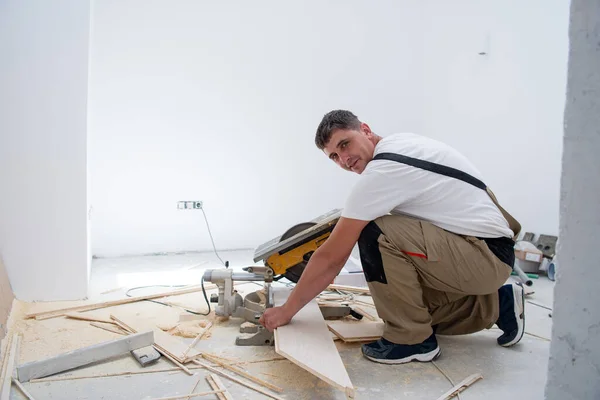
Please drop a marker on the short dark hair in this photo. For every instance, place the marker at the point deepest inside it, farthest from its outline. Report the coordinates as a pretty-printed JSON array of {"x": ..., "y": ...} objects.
[{"x": 336, "y": 119}]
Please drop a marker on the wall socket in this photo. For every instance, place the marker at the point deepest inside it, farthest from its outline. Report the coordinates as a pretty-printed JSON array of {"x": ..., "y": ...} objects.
[{"x": 189, "y": 205}]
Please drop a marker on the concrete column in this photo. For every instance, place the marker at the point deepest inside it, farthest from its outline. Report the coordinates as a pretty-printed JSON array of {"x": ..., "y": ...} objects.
[{"x": 574, "y": 367}]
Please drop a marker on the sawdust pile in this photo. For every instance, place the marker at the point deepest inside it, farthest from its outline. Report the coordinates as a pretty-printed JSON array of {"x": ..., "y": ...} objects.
[{"x": 188, "y": 329}]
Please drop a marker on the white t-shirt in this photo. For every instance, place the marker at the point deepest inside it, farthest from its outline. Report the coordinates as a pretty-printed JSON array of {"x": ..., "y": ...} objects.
[{"x": 390, "y": 187}]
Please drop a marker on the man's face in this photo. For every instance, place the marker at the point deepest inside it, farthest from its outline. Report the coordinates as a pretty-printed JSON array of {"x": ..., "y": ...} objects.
[{"x": 351, "y": 149}]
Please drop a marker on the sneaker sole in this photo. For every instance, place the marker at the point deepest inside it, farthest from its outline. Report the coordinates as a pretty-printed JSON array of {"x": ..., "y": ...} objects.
[
  {"x": 519, "y": 308},
  {"x": 425, "y": 357}
]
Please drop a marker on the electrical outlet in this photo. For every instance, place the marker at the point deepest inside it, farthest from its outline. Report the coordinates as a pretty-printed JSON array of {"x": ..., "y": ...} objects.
[{"x": 189, "y": 205}]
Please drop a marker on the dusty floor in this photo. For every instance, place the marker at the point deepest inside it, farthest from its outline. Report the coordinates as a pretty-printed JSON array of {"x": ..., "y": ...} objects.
[{"x": 519, "y": 371}]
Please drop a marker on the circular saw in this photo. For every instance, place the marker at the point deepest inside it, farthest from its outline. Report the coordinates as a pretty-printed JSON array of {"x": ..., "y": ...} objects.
[{"x": 288, "y": 254}]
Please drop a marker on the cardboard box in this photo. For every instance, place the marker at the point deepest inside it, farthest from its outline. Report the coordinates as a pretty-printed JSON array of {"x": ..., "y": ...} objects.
[{"x": 533, "y": 255}]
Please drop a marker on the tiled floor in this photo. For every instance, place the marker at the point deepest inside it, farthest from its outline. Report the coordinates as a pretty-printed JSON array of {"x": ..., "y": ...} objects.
[{"x": 518, "y": 372}]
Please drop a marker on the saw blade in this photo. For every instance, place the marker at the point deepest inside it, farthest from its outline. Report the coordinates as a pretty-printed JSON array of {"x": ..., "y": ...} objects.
[{"x": 294, "y": 272}]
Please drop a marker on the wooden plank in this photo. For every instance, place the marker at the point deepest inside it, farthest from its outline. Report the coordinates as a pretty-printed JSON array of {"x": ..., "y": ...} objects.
[
  {"x": 197, "y": 339},
  {"x": 9, "y": 367},
  {"x": 315, "y": 352},
  {"x": 5, "y": 353},
  {"x": 243, "y": 373},
  {"x": 468, "y": 381},
  {"x": 187, "y": 396},
  {"x": 218, "y": 385},
  {"x": 353, "y": 289},
  {"x": 110, "y": 328},
  {"x": 94, "y": 306},
  {"x": 168, "y": 344},
  {"x": 87, "y": 317},
  {"x": 22, "y": 389},
  {"x": 356, "y": 332},
  {"x": 84, "y": 356},
  {"x": 241, "y": 382}
]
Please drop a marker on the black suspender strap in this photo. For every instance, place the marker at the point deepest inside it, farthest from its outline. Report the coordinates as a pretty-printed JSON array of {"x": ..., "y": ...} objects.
[
  {"x": 433, "y": 167},
  {"x": 514, "y": 225}
]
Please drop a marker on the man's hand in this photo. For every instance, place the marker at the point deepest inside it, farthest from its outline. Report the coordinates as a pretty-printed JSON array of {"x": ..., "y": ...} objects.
[{"x": 275, "y": 317}]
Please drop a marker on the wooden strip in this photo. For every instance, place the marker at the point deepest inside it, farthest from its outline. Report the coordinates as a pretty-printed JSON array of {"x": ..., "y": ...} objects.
[
  {"x": 83, "y": 356},
  {"x": 196, "y": 385},
  {"x": 22, "y": 389},
  {"x": 86, "y": 317},
  {"x": 5, "y": 354},
  {"x": 214, "y": 386},
  {"x": 197, "y": 339},
  {"x": 93, "y": 306},
  {"x": 169, "y": 344},
  {"x": 218, "y": 384},
  {"x": 174, "y": 361},
  {"x": 241, "y": 382},
  {"x": 73, "y": 378},
  {"x": 315, "y": 352},
  {"x": 110, "y": 328},
  {"x": 243, "y": 373},
  {"x": 364, "y": 313},
  {"x": 356, "y": 332},
  {"x": 353, "y": 289},
  {"x": 364, "y": 303},
  {"x": 111, "y": 290},
  {"x": 9, "y": 367},
  {"x": 468, "y": 381},
  {"x": 187, "y": 396}
]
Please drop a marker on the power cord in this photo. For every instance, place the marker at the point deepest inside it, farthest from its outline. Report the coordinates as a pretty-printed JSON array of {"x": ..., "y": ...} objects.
[
  {"x": 226, "y": 264},
  {"x": 174, "y": 286}
]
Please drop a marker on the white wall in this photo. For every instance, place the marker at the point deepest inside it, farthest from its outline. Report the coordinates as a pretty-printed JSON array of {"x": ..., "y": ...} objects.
[
  {"x": 503, "y": 110},
  {"x": 219, "y": 101},
  {"x": 43, "y": 105}
]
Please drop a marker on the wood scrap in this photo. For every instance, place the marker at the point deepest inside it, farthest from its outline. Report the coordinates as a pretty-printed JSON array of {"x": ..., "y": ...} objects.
[
  {"x": 187, "y": 396},
  {"x": 197, "y": 339},
  {"x": 216, "y": 384},
  {"x": 468, "y": 381},
  {"x": 110, "y": 328},
  {"x": 316, "y": 352},
  {"x": 83, "y": 356},
  {"x": 165, "y": 343},
  {"x": 87, "y": 317},
  {"x": 243, "y": 373},
  {"x": 22, "y": 389},
  {"x": 174, "y": 361},
  {"x": 357, "y": 332},
  {"x": 352, "y": 289},
  {"x": 8, "y": 368},
  {"x": 241, "y": 382}
]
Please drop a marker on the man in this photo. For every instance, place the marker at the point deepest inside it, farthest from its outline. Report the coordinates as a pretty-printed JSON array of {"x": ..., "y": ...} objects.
[{"x": 435, "y": 246}]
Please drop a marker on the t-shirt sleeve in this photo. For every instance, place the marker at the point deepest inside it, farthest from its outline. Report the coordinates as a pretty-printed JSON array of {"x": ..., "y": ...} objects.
[{"x": 376, "y": 194}]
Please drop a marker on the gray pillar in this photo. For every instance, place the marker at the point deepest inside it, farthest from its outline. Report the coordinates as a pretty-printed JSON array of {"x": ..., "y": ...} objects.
[{"x": 574, "y": 367}]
